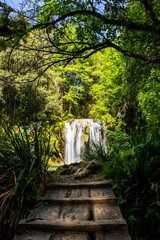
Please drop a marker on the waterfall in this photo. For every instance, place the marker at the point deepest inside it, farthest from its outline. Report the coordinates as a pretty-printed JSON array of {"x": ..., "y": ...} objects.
[{"x": 78, "y": 133}]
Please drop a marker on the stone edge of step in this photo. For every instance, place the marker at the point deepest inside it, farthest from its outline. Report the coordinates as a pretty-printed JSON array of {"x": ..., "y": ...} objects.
[
  {"x": 43, "y": 225},
  {"x": 81, "y": 200},
  {"x": 82, "y": 235},
  {"x": 107, "y": 183}
]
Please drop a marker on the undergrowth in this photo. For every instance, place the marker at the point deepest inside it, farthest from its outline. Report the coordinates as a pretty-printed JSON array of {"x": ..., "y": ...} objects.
[
  {"x": 133, "y": 163},
  {"x": 24, "y": 156}
]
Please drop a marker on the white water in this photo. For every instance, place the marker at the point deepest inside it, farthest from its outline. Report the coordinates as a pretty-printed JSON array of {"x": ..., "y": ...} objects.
[{"x": 78, "y": 133}]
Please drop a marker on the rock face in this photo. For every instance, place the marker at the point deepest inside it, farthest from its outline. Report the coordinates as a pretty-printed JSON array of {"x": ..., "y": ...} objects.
[
  {"x": 80, "y": 170},
  {"x": 81, "y": 173}
]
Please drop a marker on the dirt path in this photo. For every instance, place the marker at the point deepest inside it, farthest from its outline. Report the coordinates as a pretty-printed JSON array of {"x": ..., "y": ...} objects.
[{"x": 75, "y": 210}]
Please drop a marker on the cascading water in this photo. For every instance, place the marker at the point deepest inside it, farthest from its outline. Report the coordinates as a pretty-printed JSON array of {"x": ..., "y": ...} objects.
[{"x": 78, "y": 133}]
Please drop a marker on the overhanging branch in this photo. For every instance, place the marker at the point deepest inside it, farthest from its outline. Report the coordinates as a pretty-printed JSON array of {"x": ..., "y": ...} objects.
[{"x": 122, "y": 22}]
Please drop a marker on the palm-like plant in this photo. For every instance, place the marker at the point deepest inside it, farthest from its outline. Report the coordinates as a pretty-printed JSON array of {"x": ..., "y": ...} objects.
[
  {"x": 133, "y": 163},
  {"x": 23, "y": 165}
]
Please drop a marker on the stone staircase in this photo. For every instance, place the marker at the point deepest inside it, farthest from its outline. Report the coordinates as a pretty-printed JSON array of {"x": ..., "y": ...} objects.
[{"x": 77, "y": 211}]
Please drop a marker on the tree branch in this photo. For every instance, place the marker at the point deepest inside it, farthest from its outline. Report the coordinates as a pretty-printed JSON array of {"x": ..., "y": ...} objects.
[
  {"x": 136, "y": 56},
  {"x": 122, "y": 23},
  {"x": 85, "y": 52}
]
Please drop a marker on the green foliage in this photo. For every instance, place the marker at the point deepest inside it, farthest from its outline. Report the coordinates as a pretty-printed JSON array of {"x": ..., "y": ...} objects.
[
  {"x": 106, "y": 85},
  {"x": 25, "y": 100},
  {"x": 12, "y": 30},
  {"x": 143, "y": 43},
  {"x": 96, "y": 151},
  {"x": 149, "y": 100},
  {"x": 24, "y": 155},
  {"x": 72, "y": 97},
  {"x": 133, "y": 164},
  {"x": 131, "y": 27},
  {"x": 107, "y": 90}
]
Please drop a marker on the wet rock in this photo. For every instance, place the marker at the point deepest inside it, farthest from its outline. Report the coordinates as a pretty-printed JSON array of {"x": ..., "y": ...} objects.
[
  {"x": 94, "y": 166},
  {"x": 79, "y": 170},
  {"x": 71, "y": 168},
  {"x": 87, "y": 169},
  {"x": 62, "y": 169},
  {"x": 81, "y": 173}
]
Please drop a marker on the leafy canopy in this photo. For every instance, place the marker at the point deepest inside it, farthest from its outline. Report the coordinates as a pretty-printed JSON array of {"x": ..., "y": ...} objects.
[{"x": 76, "y": 29}]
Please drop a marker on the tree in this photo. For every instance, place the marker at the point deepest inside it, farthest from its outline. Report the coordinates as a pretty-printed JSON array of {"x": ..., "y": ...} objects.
[
  {"x": 13, "y": 26},
  {"x": 76, "y": 29},
  {"x": 76, "y": 83},
  {"x": 21, "y": 98},
  {"x": 149, "y": 100},
  {"x": 104, "y": 88},
  {"x": 95, "y": 25}
]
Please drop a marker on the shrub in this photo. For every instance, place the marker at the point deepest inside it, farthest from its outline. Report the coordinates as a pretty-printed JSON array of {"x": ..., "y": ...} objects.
[
  {"x": 134, "y": 165},
  {"x": 23, "y": 166},
  {"x": 95, "y": 151}
]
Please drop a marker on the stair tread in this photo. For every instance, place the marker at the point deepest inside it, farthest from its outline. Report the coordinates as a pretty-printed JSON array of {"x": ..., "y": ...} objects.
[
  {"x": 79, "y": 184},
  {"x": 75, "y": 211},
  {"x": 80, "y": 199},
  {"x": 43, "y": 225},
  {"x": 42, "y": 221},
  {"x": 53, "y": 235},
  {"x": 74, "y": 236},
  {"x": 84, "y": 192}
]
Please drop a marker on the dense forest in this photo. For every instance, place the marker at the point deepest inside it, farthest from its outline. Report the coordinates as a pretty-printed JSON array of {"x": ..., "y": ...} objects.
[{"x": 69, "y": 59}]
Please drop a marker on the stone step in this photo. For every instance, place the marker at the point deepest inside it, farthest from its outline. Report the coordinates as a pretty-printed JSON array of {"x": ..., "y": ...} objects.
[
  {"x": 79, "y": 226},
  {"x": 111, "y": 236},
  {"x": 93, "y": 184},
  {"x": 53, "y": 236},
  {"x": 84, "y": 192},
  {"x": 73, "y": 236},
  {"x": 91, "y": 201},
  {"x": 108, "y": 211},
  {"x": 64, "y": 213},
  {"x": 76, "y": 212}
]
